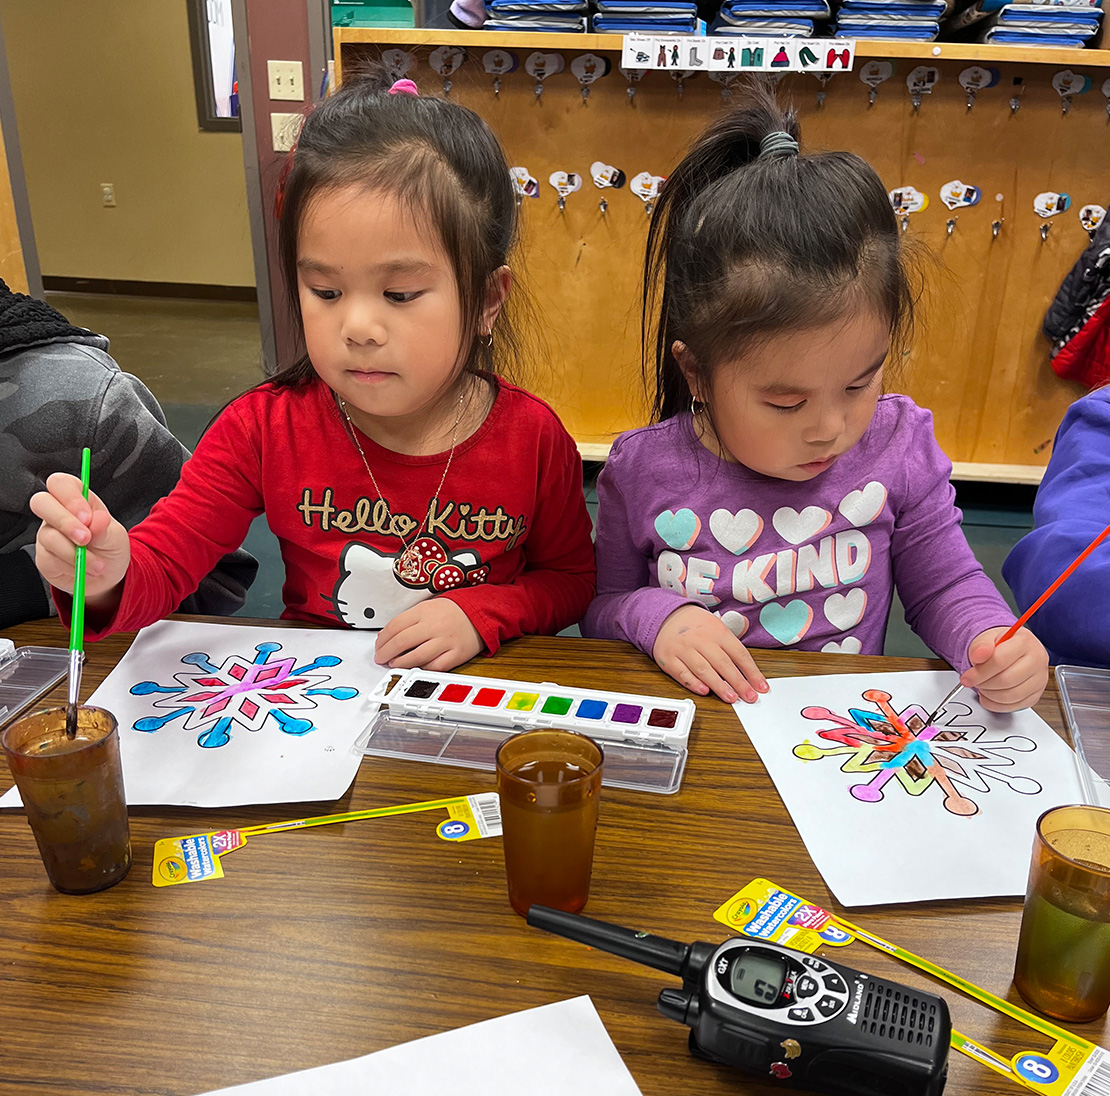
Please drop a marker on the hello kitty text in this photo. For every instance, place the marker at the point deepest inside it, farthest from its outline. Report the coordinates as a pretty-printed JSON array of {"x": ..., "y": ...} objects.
[{"x": 447, "y": 520}]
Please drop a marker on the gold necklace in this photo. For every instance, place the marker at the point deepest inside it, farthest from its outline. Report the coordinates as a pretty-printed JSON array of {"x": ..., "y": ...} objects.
[{"x": 408, "y": 562}]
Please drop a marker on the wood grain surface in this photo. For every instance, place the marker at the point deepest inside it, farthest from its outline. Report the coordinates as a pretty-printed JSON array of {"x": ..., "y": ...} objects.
[{"x": 328, "y": 944}]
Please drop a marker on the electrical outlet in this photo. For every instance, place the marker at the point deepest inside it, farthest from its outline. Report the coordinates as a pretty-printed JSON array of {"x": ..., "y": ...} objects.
[
  {"x": 108, "y": 194},
  {"x": 286, "y": 80},
  {"x": 285, "y": 128}
]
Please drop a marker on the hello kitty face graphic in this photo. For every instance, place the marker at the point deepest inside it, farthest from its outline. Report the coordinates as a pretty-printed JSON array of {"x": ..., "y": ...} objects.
[{"x": 369, "y": 592}]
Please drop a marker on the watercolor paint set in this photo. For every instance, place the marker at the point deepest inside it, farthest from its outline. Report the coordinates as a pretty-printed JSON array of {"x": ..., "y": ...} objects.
[
  {"x": 27, "y": 673},
  {"x": 453, "y": 719}
]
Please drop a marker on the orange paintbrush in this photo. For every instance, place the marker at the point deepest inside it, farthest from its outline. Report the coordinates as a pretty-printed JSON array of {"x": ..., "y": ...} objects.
[{"x": 1021, "y": 621}]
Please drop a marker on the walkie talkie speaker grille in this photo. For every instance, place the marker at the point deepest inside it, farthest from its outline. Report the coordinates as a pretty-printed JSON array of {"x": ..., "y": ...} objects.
[{"x": 890, "y": 1012}]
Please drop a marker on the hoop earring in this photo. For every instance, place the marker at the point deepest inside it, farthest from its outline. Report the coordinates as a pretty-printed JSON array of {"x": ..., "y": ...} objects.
[
  {"x": 696, "y": 406},
  {"x": 488, "y": 337}
]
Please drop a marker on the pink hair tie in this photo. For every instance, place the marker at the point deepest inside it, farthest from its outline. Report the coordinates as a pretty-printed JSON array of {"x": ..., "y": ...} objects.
[{"x": 404, "y": 87}]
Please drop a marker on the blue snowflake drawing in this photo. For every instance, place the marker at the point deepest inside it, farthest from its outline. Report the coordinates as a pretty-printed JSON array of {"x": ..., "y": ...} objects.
[{"x": 242, "y": 693}]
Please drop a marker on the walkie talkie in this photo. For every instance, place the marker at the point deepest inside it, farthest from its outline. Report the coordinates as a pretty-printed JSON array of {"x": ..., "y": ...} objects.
[{"x": 774, "y": 1011}]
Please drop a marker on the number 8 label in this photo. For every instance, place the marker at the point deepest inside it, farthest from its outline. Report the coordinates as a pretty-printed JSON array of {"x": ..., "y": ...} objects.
[
  {"x": 1036, "y": 1069},
  {"x": 452, "y": 829}
]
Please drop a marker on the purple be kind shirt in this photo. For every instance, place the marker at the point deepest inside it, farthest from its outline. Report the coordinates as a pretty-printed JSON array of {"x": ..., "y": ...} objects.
[{"x": 807, "y": 566}]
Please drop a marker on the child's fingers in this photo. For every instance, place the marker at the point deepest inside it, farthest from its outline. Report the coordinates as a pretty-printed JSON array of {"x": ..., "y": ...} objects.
[
  {"x": 52, "y": 545},
  {"x": 58, "y": 570},
  {"x": 55, "y": 515},
  {"x": 1012, "y": 700},
  {"x": 742, "y": 659},
  {"x": 677, "y": 668},
  {"x": 731, "y": 674},
  {"x": 403, "y": 635},
  {"x": 1019, "y": 695},
  {"x": 713, "y": 670},
  {"x": 99, "y": 526},
  {"x": 1005, "y": 675},
  {"x": 422, "y": 655},
  {"x": 446, "y": 661},
  {"x": 67, "y": 490},
  {"x": 57, "y": 545}
]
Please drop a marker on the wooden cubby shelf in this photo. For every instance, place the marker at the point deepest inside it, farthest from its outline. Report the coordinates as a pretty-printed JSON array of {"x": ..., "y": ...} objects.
[{"x": 978, "y": 360}]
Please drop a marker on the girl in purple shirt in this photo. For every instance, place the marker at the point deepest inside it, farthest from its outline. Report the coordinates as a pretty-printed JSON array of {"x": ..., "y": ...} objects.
[{"x": 779, "y": 498}]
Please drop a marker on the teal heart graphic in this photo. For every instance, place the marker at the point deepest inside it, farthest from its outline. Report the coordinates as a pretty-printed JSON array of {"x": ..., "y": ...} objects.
[
  {"x": 678, "y": 529},
  {"x": 786, "y": 623}
]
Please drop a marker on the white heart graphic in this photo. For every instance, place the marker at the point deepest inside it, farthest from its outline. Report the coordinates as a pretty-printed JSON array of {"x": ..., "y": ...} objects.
[
  {"x": 735, "y": 622},
  {"x": 797, "y": 528},
  {"x": 736, "y": 532},
  {"x": 863, "y": 507},
  {"x": 845, "y": 611},
  {"x": 850, "y": 646}
]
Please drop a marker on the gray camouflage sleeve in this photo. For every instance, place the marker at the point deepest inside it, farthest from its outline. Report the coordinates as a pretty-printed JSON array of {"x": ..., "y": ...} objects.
[{"x": 140, "y": 462}]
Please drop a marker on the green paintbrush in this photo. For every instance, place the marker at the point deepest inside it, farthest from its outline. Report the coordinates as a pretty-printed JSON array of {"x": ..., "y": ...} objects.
[{"x": 77, "y": 623}]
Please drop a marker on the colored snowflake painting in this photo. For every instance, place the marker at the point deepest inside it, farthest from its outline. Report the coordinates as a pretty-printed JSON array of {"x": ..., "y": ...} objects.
[
  {"x": 242, "y": 693},
  {"x": 899, "y": 750}
]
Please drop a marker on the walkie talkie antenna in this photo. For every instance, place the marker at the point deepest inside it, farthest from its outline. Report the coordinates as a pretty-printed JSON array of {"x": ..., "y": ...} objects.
[{"x": 658, "y": 952}]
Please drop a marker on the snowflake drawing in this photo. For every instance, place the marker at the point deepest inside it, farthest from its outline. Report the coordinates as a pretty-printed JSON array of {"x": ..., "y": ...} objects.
[
  {"x": 242, "y": 693},
  {"x": 960, "y": 759}
]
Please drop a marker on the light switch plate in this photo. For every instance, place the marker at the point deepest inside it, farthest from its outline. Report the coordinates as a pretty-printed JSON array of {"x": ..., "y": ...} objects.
[
  {"x": 286, "y": 79},
  {"x": 285, "y": 128}
]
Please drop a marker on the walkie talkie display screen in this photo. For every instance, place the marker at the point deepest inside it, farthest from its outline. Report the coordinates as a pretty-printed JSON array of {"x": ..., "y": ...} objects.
[{"x": 758, "y": 977}]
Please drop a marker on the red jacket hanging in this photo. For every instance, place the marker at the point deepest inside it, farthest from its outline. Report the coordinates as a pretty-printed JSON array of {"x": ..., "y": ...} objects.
[{"x": 1086, "y": 356}]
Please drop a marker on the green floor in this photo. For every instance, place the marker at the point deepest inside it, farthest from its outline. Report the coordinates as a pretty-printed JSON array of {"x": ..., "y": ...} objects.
[{"x": 196, "y": 355}]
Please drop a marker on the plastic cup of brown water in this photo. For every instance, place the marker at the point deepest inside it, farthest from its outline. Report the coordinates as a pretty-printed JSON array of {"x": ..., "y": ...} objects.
[
  {"x": 72, "y": 792},
  {"x": 1063, "y": 959},
  {"x": 549, "y": 783}
]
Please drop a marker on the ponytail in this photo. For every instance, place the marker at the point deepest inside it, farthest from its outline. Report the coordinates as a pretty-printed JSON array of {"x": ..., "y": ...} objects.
[{"x": 750, "y": 238}]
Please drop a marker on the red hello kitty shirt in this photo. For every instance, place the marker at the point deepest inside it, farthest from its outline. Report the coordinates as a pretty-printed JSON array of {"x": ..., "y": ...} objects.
[{"x": 508, "y": 540}]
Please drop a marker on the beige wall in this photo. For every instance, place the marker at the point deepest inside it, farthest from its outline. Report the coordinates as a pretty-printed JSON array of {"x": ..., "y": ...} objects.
[{"x": 104, "y": 93}]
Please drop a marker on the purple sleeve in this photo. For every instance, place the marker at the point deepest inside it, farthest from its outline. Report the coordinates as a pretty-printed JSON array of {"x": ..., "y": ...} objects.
[
  {"x": 471, "y": 13},
  {"x": 627, "y": 606},
  {"x": 947, "y": 596},
  {"x": 1072, "y": 507}
]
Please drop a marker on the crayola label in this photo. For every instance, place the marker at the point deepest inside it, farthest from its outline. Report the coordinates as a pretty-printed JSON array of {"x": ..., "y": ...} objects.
[{"x": 766, "y": 912}]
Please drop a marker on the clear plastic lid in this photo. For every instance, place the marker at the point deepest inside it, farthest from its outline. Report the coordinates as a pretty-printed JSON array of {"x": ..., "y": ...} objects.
[
  {"x": 639, "y": 767},
  {"x": 1085, "y": 693},
  {"x": 26, "y": 675}
]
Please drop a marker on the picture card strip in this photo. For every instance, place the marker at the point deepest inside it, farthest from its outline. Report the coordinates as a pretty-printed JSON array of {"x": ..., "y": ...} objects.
[{"x": 721, "y": 53}]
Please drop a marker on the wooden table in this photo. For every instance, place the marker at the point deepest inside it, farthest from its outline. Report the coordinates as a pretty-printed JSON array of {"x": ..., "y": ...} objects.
[{"x": 325, "y": 945}]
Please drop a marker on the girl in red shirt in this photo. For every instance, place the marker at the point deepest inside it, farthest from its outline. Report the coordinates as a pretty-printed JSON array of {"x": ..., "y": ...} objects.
[{"x": 412, "y": 490}]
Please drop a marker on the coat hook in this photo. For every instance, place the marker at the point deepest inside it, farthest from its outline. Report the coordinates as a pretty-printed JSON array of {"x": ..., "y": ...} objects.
[
  {"x": 1044, "y": 229},
  {"x": 950, "y": 224},
  {"x": 996, "y": 228}
]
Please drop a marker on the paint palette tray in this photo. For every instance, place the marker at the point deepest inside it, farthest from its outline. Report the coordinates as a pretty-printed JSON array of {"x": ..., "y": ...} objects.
[
  {"x": 26, "y": 675},
  {"x": 1085, "y": 693},
  {"x": 452, "y": 719}
]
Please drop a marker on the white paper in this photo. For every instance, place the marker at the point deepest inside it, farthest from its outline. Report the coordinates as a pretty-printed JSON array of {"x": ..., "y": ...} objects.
[
  {"x": 554, "y": 1050},
  {"x": 272, "y": 734},
  {"x": 958, "y": 823}
]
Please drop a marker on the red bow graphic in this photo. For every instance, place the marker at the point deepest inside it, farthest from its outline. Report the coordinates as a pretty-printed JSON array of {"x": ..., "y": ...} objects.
[{"x": 426, "y": 563}]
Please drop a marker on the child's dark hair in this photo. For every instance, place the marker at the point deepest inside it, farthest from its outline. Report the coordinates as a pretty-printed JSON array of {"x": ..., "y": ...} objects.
[
  {"x": 743, "y": 246},
  {"x": 440, "y": 160}
]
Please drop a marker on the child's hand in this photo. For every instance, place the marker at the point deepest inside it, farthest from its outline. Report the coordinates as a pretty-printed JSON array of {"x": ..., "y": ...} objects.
[
  {"x": 69, "y": 520},
  {"x": 696, "y": 648},
  {"x": 1010, "y": 676},
  {"x": 434, "y": 635}
]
